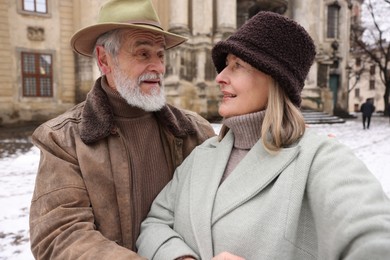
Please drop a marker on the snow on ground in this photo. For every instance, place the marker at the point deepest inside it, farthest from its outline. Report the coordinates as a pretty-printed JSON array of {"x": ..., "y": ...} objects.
[
  {"x": 372, "y": 146},
  {"x": 17, "y": 176}
]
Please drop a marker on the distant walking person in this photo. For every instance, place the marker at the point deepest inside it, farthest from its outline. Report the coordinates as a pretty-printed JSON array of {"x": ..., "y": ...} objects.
[{"x": 367, "y": 109}]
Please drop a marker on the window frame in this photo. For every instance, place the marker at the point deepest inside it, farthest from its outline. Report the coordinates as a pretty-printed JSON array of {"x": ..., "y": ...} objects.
[
  {"x": 357, "y": 92},
  {"x": 35, "y": 11},
  {"x": 23, "y": 12},
  {"x": 333, "y": 21},
  {"x": 36, "y": 75},
  {"x": 372, "y": 69},
  {"x": 372, "y": 84}
]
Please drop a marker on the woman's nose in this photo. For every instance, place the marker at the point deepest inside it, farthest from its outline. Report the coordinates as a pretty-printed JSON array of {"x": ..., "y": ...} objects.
[{"x": 221, "y": 77}]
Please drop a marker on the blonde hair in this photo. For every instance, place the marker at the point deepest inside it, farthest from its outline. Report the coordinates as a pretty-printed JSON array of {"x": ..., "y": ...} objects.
[{"x": 283, "y": 122}]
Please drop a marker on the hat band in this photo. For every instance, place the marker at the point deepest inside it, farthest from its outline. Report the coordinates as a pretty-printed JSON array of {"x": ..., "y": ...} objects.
[{"x": 145, "y": 22}]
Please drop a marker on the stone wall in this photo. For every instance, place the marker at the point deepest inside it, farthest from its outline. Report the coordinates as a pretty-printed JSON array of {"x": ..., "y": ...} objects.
[{"x": 190, "y": 78}]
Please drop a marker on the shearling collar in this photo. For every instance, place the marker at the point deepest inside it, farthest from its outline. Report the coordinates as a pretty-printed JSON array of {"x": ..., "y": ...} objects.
[{"x": 97, "y": 120}]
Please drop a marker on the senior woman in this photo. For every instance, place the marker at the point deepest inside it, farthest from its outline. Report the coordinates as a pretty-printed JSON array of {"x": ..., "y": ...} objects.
[{"x": 267, "y": 187}]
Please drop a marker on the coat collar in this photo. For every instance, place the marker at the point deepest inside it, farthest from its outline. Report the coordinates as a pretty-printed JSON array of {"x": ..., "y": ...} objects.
[
  {"x": 205, "y": 177},
  {"x": 211, "y": 201},
  {"x": 97, "y": 120}
]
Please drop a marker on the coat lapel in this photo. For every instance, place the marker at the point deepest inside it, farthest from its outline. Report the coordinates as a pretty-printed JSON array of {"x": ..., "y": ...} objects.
[
  {"x": 209, "y": 166},
  {"x": 210, "y": 201},
  {"x": 250, "y": 177}
]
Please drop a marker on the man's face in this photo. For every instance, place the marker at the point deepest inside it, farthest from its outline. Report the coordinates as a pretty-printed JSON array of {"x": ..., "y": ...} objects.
[{"x": 137, "y": 72}]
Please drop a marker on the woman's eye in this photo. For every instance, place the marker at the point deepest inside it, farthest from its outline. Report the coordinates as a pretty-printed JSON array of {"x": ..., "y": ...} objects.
[
  {"x": 233, "y": 64},
  {"x": 236, "y": 65}
]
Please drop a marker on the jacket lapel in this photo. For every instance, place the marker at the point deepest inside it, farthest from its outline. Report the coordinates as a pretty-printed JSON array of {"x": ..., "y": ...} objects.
[
  {"x": 209, "y": 166},
  {"x": 250, "y": 177}
]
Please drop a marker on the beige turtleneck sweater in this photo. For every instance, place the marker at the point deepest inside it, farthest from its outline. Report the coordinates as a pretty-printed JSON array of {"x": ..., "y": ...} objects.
[
  {"x": 247, "y": 131},
  {"x": 149, "y": 171}
]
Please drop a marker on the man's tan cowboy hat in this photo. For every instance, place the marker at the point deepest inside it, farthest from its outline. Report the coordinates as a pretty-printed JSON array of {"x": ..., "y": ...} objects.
[{"x": 122, "y": 14}]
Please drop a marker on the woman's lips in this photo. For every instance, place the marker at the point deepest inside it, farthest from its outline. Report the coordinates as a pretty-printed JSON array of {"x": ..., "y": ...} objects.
[{"x": 227, "y": 95}]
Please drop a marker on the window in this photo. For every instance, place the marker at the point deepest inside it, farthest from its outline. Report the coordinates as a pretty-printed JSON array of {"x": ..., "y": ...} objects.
[
  {"x": 372, "y": 84},
  {"x": 333, "y": 21},
  {"x": 372, "y": 70},
  {"x": 357, "y": 92},
  {"x": 36, "y": 6},
  {"x": 243, "y": 12},
  {"x": 37, "y": 74},
  {"x": 322, "y": 75},
  {"x": 358, "y": 62}
]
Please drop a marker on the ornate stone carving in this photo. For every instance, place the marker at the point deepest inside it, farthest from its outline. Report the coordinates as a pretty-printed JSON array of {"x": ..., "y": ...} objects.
[{"x": 35, "y": 33}]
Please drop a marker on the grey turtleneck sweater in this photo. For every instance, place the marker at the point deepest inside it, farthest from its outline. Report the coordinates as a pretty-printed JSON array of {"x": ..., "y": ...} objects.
[{"x": 247, "y": 131}]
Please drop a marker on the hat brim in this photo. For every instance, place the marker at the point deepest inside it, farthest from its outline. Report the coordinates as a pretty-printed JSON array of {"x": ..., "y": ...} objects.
[{"x": 83, "y": 41}]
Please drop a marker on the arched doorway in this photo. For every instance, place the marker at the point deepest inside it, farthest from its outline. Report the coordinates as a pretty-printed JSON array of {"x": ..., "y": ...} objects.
[
  {"x": 334, "y": 81},
  {"x": 247, "y": 8}
]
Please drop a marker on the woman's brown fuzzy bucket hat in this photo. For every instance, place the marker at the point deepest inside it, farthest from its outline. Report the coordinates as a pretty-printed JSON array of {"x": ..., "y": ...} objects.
[
  {"x": 122, "y": 14},
  {"x": 275, "y": 45}
]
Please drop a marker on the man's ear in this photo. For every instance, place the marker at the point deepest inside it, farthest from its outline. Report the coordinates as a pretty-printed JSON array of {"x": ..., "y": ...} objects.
[{"x": 102, "y": 60}]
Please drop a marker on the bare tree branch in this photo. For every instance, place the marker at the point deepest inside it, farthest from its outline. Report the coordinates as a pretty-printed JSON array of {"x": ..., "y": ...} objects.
[{"x": 378, "y": 50}]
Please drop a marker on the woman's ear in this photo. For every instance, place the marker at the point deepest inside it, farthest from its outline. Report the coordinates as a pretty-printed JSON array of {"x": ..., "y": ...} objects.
[{"x": 102, "y": 60}]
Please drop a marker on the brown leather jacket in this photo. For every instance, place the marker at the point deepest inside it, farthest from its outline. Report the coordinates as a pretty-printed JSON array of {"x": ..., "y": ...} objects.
[{"x": 82, "y": 198}]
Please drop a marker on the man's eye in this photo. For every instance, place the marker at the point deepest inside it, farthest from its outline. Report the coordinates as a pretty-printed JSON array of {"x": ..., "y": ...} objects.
[{"x": 142, "y": 54}]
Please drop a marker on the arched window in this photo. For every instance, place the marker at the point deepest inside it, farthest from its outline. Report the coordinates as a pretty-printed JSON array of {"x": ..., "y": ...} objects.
[
  {"x": 243, "y": 7},
  {"x": 248, "y": 8}
]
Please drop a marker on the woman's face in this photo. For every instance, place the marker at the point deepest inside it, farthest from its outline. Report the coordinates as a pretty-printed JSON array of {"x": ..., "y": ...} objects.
[{"x": 244, "y": 88}]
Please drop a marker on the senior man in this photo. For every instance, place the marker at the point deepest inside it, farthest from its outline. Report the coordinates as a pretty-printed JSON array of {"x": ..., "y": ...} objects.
[{"x": 104, "y": 161}]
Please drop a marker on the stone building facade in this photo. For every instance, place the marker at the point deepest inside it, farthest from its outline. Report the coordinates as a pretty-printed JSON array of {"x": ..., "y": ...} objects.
[
  {"x": 40, "y": 76},
  {"x": 35, "y": 46}
]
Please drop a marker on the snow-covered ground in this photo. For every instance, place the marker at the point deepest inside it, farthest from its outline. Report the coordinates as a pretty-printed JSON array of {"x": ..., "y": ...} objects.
[{"x": 17, "y": 175}]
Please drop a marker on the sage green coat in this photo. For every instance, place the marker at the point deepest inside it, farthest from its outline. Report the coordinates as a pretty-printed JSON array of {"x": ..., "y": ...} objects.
[{"x": 314, "y": 200}]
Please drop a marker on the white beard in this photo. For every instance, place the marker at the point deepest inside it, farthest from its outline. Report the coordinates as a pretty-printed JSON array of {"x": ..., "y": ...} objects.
[{"x": 130, "y": 90}]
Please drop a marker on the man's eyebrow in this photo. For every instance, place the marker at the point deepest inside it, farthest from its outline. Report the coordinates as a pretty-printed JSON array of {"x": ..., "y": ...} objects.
[
  {"x": 148, "y": 43},
  {"x": 143, "y": 42}
]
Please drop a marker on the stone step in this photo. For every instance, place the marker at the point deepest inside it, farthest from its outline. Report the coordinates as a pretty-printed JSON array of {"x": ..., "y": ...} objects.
[{"x": 317, "y": 117}]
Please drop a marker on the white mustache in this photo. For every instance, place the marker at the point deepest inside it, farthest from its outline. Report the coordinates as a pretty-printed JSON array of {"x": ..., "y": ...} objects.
[{"x": 150, "y": 76}]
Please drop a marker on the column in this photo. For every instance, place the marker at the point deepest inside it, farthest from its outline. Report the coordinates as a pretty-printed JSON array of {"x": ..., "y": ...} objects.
[
  {"x": 178, "y": 17},
  {"x": 200, "y": 65},
  {"x": 226, "y": 18},
  {"x": 202, "y": 17}
]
